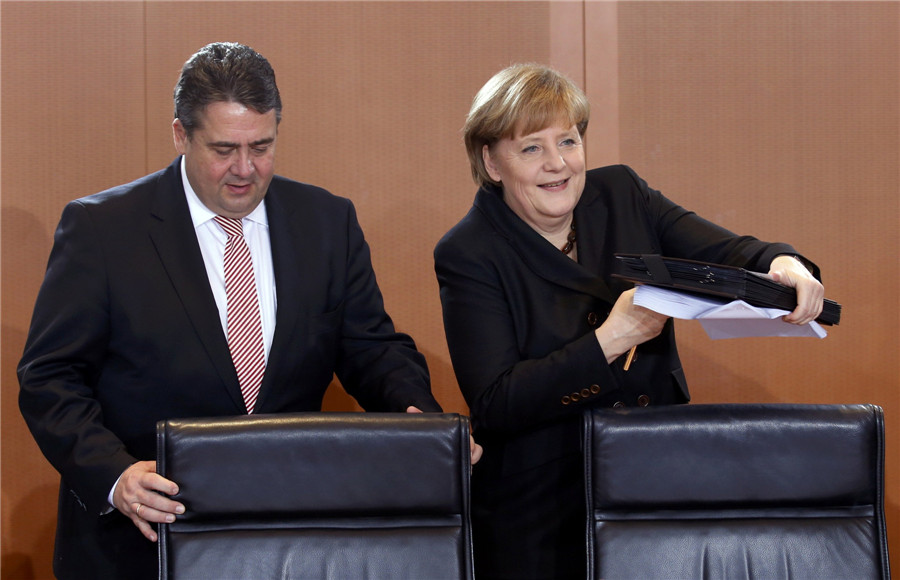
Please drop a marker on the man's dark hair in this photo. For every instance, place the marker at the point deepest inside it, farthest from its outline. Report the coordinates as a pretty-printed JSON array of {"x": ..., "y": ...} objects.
[{"x": 225, "y": 72}]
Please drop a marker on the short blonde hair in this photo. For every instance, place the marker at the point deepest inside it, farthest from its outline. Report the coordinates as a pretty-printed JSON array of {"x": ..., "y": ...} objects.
[{"x": 519, "y": 100}]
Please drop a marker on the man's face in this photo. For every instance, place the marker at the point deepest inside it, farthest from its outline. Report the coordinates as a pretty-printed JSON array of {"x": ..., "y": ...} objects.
[{"x": 230, "y": 158}]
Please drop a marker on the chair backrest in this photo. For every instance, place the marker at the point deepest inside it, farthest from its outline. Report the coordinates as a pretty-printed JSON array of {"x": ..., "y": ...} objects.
[
  {"x": 736, "y": 491},
  {"x": 318, "y": 495}
]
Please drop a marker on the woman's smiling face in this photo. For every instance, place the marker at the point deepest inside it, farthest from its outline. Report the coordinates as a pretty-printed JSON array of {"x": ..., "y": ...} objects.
[{"x": 542, "y": 174}]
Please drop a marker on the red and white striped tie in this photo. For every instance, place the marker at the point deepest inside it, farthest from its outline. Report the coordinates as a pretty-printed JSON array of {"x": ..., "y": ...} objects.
[{"x": 245, "y": 338}]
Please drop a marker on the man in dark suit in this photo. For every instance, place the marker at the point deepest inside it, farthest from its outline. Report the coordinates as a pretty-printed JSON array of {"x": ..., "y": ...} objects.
[{"x": 131, "y": 323}]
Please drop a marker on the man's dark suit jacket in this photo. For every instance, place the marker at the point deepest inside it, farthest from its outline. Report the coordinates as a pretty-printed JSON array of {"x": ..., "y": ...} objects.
[
  {"x": 126, "y": 332},
  {"x": 520, "y": 318}
]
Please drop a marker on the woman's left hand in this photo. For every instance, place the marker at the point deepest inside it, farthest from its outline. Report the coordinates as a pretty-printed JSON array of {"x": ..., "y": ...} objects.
[{"x": 790, "y": 271}]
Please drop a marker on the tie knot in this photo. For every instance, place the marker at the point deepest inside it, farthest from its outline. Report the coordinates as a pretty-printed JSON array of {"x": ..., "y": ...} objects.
[{"x": 232, "y": 226}]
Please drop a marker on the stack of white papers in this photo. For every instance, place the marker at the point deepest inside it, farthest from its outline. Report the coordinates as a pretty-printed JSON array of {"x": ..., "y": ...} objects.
[{"x": 735, "y": 319}]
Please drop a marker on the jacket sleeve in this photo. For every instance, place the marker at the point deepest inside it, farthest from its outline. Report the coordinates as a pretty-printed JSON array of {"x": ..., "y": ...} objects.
[
  {"x": 380, "y": 367},
  {"x": 63, "y": 356},
  {"x": 684, "y": 234}
]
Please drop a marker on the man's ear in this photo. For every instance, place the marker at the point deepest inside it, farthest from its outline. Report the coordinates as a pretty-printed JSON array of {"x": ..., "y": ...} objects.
[{"x": 180, "y": 136}]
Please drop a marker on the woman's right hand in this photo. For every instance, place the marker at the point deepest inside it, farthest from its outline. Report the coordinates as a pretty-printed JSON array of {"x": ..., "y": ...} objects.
[{"x": 628, "y": 325}]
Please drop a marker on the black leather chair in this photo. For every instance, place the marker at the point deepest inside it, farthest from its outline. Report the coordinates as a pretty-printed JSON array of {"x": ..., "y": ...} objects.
[
  {"x": 736, "y": 491},
  {"x": 318, "y": 495}
]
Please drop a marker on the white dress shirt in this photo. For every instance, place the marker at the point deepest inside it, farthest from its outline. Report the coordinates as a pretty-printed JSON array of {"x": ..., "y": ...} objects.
[{"x": 212, "y": 239}]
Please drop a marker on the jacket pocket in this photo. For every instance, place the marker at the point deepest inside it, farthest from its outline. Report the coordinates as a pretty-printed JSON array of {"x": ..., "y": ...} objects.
[{"x": 324, "y": 336}]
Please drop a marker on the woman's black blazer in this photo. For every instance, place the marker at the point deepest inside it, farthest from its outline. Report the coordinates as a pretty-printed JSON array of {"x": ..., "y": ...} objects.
[{"x": 519, "y": 315}]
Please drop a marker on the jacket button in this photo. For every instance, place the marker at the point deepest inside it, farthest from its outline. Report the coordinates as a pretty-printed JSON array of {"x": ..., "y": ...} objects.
[
  {"x": 595, "y": 389},
  {"x": 565, "y": 400},
  {"x": 575, "y": 397},
  {"x": 618, "y": 405},
  {"x": 592, "y": 318},
  {"x": 585, "y": 393},
  {"x": 643, "y": 400}
]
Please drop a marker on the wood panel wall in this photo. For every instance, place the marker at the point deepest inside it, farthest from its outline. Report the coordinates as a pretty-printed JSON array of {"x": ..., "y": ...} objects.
[
  {"x": 781, "y": 119},
  {"x": 778, "y": 119}
]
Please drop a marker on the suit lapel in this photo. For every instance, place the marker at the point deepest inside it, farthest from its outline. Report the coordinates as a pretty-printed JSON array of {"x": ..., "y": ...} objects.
[
  {"x": 543, "y": 259},
  {"x": 172, "y": 233},
  {"x": 289, "y": 262}
]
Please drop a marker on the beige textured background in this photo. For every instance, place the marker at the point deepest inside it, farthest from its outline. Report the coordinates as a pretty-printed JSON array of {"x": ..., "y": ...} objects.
[{"x": 779, "y": 119}]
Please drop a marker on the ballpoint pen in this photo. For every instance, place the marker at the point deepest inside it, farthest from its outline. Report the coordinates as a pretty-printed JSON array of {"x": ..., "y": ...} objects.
[{"x": 630, "y": 357}]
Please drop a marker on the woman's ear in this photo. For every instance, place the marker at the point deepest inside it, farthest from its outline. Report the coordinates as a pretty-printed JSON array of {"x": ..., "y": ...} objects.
[{"x": 489, "y": 164}]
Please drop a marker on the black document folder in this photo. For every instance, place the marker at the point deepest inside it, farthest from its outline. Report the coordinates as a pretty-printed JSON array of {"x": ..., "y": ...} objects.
[{"x": 707, "y": 279}]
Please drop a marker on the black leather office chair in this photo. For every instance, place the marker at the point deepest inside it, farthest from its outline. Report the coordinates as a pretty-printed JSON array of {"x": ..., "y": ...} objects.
[
  {"x": 318, "y": 495},
  {"x": 736, "y": 491}
]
